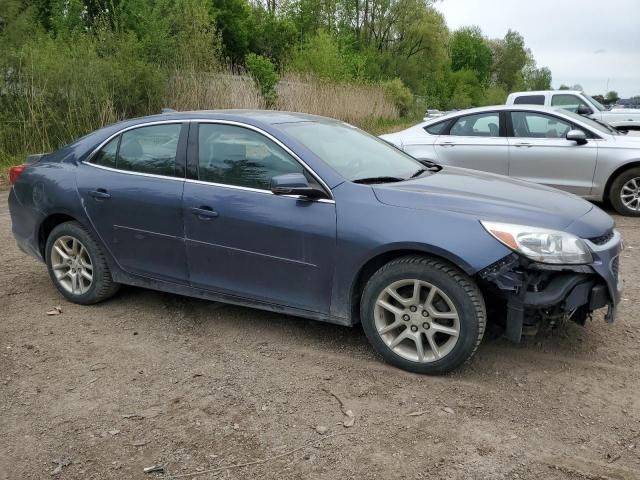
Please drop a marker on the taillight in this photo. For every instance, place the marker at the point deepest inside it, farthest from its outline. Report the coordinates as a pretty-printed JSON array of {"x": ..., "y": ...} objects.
[{"x": 14, "y": 173}]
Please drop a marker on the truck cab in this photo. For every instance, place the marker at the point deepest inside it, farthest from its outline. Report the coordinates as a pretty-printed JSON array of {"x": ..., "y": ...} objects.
[{"x": 579, "y": 102}]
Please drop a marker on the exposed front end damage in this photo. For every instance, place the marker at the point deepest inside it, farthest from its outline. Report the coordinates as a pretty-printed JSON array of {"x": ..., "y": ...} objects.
[{"x": 531, "y": 294}]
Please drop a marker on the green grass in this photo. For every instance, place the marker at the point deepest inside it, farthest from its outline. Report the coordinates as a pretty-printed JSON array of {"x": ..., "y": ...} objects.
[{"x": 378, "y": 126}]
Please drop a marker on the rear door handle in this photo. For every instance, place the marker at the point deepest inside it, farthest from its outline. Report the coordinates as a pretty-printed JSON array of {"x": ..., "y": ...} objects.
[
  {"x": 447, "y": 144},
  {"x": 523, "y": 145},
  {"x": 204, "y": 212},
  {"x": 100, "y": 194}
]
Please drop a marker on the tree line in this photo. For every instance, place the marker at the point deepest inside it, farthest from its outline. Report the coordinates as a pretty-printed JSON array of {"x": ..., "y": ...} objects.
[{"x": 88, "y": 57}]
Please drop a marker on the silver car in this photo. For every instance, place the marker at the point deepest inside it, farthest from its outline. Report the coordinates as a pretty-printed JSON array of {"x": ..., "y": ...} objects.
[{"x": 549, "y": 146}]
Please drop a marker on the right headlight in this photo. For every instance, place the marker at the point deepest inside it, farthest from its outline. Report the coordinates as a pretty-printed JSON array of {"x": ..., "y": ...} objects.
[{"x": 541, "y": 244}]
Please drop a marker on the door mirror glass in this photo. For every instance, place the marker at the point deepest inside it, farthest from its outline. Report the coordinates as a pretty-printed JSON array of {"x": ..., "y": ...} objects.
[
  {"x": 294, "y": 184},
  {"x": 577, "y": 136}
]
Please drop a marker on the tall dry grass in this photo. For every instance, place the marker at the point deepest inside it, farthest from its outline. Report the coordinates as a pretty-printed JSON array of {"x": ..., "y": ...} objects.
[
  {"x": 351, "y": 103},
  {"x": 212, "y": 91}
]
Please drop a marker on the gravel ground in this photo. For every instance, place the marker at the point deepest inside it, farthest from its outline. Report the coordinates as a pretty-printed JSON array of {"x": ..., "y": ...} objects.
[{"x": 149, "y": 378}]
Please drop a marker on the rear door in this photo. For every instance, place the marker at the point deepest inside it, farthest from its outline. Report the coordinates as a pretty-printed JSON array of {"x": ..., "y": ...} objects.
[
  {"x": 475, "y": 141},
  {"x": 131, "y": 190},
  {"x": 540, "y": 153},
  {"x": 241, "y": 239}
]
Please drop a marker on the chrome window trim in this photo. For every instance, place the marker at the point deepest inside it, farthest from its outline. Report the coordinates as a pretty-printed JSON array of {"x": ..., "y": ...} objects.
[
  {"x": 131, "y": 172},
  {"x": 87, "y": 161}
]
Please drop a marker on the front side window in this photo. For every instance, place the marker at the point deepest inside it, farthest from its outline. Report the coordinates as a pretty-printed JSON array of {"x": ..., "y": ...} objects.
[
  {"x": 567, "y": 102},
  {"x": 529, "y": 100},
  {"x": 238, "y": 156},
  {"x": 149, "y": 149},
  {"x": 478, "y": 125},
  {"x": 538, "y": 125}
]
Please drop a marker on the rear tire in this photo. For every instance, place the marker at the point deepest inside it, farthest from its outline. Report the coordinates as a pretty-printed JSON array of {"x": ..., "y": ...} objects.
[
  {"x": 77, "y": 265},
  {"x": 423, "y": 314},
  {"x": 624, "y": 193}
]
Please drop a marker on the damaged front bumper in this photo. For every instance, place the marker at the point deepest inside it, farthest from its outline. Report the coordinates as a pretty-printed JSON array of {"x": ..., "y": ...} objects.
[{"x": 534, "y": 292}]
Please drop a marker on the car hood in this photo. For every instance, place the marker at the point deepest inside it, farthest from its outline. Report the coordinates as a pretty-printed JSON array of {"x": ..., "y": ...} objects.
[{"x": 487, "y": 196}]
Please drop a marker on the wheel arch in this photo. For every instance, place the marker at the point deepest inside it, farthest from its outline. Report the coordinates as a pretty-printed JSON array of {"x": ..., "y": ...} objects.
[
  {"x": 621, "y": 169},
  {"x": 47, "y": 225},
  {"x": 376, "y": 261}
]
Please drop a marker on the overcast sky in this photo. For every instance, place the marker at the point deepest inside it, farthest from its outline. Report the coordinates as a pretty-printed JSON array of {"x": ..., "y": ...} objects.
[{"x": 587, "y": 42}]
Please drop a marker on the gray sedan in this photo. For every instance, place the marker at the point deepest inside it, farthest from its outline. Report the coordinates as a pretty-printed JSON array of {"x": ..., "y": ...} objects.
[{"x": 552, "y": 147}]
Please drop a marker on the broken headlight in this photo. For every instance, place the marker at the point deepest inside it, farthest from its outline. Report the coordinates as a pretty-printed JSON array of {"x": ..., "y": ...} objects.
[{"x": 540, "y": 244}]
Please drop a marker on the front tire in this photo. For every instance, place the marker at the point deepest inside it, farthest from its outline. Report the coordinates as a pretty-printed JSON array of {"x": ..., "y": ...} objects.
[
  {"x": 77, "y": 265},
  {"x": 423, "y": 315},
  {"x": 625, "y": 193}
]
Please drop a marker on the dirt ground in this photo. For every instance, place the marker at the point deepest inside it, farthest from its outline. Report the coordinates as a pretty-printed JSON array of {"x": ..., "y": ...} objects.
[{"x": 151, "y": 378}]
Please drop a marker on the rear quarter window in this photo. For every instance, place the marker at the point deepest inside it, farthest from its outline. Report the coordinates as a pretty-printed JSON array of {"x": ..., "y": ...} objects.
[
  {"x": 436, "y": 128},
  {"x": 529, "y": 100}
]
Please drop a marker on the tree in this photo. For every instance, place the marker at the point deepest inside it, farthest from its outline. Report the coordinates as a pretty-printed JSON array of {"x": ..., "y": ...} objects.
[
  {"x": 469, "y": 51},
  {"x": 537, "y": 78},
  {"x": 564, "y": 87},
  {"x": 612, "y": 97},
  {"x": 509, "y": 58}
]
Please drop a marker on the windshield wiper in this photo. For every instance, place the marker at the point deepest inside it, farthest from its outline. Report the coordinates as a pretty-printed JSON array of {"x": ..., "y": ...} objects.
[
  {"x": 370, "y": 180},
  {"x": 419, "y": 172}
]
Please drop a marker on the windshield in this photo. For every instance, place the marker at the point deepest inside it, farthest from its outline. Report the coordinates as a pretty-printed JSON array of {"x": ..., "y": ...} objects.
[
  {"x": 352, "y": 153},
  {"x": 596, "y": 103},
  {"x": 599, "y": 126}
]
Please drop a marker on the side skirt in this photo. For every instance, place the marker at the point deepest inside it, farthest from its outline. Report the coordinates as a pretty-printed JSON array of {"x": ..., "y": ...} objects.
[{"x": 188, "y": 291}]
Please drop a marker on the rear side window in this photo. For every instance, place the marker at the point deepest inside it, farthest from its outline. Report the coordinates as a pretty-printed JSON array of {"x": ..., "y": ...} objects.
[
  {"x": 232, "y": 155},
  {"x": 145, "y": 150},
  {"x": 478, "y": 125},
  {"x": 436, "y": 129},
  {"x": 529, "y": 100},
  {"x": 107, "y": 156},
  {"x": 150, "y": 149}
]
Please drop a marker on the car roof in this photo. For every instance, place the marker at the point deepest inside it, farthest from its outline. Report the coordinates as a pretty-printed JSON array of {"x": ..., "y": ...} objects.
[
  {"x": 496, "y": 108},
  {"x": 544, "y": 92},
  {"x": 270, "y": 117}
]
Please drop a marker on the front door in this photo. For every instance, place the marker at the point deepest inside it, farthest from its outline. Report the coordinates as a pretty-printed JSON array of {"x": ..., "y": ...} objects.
[
  {"x": 475, "y": 141},
  {"x": 244, "y": 241},
  {"x": 132, "y": 194},
  {"x": 539, "y": 152}
]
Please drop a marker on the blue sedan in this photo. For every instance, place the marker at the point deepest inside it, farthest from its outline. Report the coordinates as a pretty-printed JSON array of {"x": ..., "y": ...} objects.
[{"x": 312, "y": 217}]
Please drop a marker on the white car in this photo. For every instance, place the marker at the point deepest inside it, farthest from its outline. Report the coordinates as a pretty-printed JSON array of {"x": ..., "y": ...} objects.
[
  {"x": 579, "y": 102},
  {"x": 553, "y": 147}
]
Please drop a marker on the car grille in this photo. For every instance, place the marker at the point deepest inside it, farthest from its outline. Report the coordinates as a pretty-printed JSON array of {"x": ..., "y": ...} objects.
[{"x": 602, "y": 239}]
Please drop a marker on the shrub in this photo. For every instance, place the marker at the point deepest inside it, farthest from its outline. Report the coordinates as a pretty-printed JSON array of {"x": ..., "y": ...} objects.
[
  {"x": 264, "y": 74},
  {"x": 398, "y": 93}
]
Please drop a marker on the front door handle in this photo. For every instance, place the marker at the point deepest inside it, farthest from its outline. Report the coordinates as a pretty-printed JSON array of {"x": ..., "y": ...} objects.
[
  {"x": 204, "y": 212},
  {"x": 100, "y": 194},
  {"x": 447, "y": 144},
  {"x": 523, "y": 145}
]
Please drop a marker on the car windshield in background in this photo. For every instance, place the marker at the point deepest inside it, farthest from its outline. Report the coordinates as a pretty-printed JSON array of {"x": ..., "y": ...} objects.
[
  {"x": 354, "y": 154},
  {"x": 601, "y": 127},
  {"x": 597, "y": 104}
]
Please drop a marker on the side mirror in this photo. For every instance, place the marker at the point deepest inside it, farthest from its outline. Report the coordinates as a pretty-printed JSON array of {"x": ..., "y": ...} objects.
[
  {"x": 577, "y": 136},
  {"x": 295, "y": 184},
  {"x": 584, "y": 110}
]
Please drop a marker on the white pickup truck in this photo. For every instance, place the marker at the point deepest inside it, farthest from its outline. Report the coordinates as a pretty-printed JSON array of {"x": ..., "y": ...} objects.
[{"x": 579, "y": 102}]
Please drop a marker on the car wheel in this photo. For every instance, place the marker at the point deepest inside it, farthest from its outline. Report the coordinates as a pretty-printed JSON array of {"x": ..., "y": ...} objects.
[
  {"x": 625, "y": 193},
  {"x": 423, "y": 315},
  {"x": 77, "y": 265}
]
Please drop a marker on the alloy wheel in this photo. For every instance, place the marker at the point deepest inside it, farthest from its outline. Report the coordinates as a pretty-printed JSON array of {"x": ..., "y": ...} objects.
[
  {"x": 72, "y": 265},
  {"x": 630, "y": 194},
  {"x": 417, "y": 320}
]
